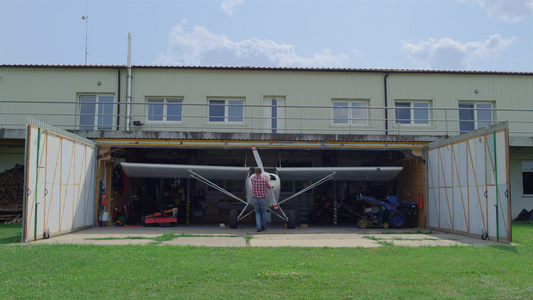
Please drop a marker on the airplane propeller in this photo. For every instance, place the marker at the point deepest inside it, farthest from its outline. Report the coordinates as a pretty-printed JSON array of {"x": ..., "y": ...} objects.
[{"x": 258, "y": 159}]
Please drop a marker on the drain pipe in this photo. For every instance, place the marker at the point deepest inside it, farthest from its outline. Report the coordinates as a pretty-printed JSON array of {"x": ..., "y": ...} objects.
[
  {"x": 128, "y": 88},
  {"x": 119, "y": 88},
  {"x": 497, "y": 191},
  {"x": 386, "y": 107}
]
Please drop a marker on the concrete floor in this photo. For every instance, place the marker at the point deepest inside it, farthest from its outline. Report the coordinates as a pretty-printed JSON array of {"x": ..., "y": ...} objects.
[{"x": 213, "y": 235}]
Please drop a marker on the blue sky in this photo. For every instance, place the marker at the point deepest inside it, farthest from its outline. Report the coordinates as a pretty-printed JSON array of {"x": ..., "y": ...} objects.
[{"x": 481, "y": 35}]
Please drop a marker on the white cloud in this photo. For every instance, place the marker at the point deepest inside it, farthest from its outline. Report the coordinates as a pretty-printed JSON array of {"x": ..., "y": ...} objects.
[
  {"x": 229, "y": 6},
  {"x": 202, "y": 47},
  {"x": 506, "y": 10},
  {"x": 449, "y": 54}
]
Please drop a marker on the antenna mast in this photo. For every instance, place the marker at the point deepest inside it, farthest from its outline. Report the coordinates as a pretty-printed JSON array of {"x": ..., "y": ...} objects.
[{"x": 86, "y": 18}]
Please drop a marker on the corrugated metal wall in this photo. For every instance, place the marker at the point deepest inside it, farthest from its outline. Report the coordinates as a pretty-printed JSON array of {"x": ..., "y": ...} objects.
[
  {"x": 298, "y": 87},
  {"x": 46, "y": 85}
]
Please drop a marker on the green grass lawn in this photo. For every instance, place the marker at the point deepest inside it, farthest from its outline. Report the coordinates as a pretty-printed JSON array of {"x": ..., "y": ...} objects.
[
  {"x": 10, "y": 233},
  {"x": 179, "y": 272}
]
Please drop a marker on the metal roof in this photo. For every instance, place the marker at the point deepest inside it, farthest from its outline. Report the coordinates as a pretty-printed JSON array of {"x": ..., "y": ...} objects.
[{"x": 285, "y": 69}]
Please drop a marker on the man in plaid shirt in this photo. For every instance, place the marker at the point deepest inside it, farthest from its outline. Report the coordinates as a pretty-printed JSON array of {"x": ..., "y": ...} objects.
[{"x": 260, "y": 187}]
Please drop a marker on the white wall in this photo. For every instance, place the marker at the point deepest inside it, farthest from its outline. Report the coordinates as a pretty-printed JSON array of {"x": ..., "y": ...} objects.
[{"x": 58, "y": 90}]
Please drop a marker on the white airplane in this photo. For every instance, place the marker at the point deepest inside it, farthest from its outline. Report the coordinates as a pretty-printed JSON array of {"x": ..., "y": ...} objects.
[{"x": 204, "y": 173}]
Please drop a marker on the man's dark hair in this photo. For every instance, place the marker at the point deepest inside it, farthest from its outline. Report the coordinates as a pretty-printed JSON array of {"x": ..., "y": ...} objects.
[{"x": 258, "y": 170}]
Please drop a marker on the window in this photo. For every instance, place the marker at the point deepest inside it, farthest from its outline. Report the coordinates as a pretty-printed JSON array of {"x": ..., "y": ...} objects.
[
  {"x": 164, "y": 109},
  {"x": 474, "y": 115},
  {"x": 274, "y": 114},
  {"x": 226, "y": 110},
  {"x": 412, "y": 113},
  {"x": 527, "y": 178},
  {"x": 350, "y": 112},
  {"x": 96, "y": 112}
]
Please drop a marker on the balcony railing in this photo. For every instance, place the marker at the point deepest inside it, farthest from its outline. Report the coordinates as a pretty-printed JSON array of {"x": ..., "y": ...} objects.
[{"x": 259, "y": 119}]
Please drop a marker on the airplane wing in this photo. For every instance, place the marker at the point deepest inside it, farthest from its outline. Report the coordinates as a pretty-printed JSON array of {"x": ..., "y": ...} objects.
[
  {"x": 339, "y": 173},
  {"x": 298, "y": 174},
  {"x": 182, "y": 171}
]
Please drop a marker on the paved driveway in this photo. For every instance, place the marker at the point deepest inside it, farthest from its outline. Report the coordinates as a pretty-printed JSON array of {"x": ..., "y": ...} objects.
[{"x": 312, "y": 236}]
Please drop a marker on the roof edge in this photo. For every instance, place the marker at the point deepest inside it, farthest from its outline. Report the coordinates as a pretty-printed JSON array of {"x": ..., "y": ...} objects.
[{"x": 285, "y": 69}]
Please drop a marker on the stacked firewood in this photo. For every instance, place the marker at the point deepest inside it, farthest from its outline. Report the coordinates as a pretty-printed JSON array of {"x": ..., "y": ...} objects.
[
  {"x": 11, "y": 194},
  {"x": 12, "y": 186}
]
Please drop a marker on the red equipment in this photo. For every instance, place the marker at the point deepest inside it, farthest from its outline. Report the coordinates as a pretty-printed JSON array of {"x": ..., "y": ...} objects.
[
  {"x": 162, "y": 217},
  {"x": 420, "y": 201}
]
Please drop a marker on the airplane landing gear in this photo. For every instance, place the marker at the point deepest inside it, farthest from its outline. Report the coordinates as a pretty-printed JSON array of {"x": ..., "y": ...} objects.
[
  {"x": 291, "y": 219},
  {"x": 233, "y": 219}
]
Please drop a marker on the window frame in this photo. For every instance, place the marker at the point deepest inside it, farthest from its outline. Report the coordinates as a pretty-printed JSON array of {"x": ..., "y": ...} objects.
[
  {"x": 351, "y": 106},
  {"x": 165, "y": 105},
  {"x": 412, "y": 109},
  {"x": 99, "y": 114},
  {"x": 475, "y": 118},
  {"x": 529, "y": 171},
  {"x": 226, "y": 117}
]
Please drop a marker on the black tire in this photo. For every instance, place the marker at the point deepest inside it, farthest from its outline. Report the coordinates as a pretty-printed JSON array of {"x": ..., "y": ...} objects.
[
  {"x": 396, "y": 219},
  {"x": 316, "y": 215},
  {"x": 233, "y": 219},
  {"x": 291, "y": 222}
]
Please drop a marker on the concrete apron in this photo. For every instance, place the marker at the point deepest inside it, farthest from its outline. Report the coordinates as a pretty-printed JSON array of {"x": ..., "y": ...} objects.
[{"x": 221, "y": 236}]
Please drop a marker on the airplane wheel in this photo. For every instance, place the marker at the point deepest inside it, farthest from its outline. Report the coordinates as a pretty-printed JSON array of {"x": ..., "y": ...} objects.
[
  {"x": 233, "y": 219},
  {"x": 291, "y": 222},
  {"x": 362, "y": 223},
  {"x": 397, "y": 219}
]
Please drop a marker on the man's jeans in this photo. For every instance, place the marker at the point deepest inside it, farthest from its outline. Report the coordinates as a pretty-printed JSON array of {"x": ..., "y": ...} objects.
[{"x": 260, "y": 206}]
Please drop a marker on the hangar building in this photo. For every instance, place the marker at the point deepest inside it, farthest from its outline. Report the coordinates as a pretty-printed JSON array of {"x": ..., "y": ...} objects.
[{"x": 462, "y": 139}]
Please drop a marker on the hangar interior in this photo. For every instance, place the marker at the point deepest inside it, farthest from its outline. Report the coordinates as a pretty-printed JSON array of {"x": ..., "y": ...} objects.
[{"x": 129, "y": 199}]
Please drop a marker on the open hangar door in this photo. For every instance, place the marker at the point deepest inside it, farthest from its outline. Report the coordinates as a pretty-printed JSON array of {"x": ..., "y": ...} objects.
[
  {"x": 59, "y": 182},
  {"x": 468, "y": 184},
  {"x": 199, "y": 203}
]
